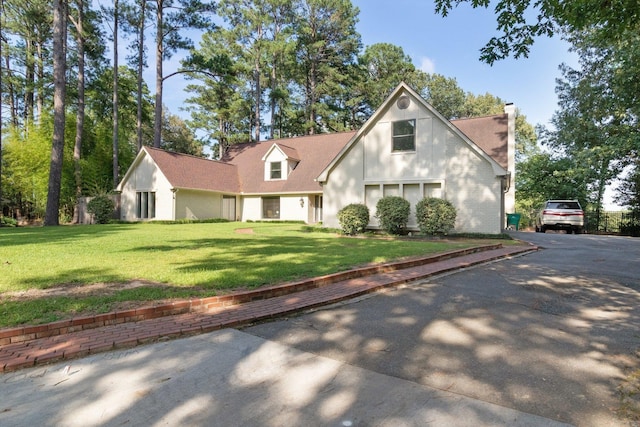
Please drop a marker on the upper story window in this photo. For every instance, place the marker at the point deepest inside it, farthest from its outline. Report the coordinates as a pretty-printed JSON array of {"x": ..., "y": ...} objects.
[
  {"x": 404, "y": 135},
  {"x": 276, "y": 170}
]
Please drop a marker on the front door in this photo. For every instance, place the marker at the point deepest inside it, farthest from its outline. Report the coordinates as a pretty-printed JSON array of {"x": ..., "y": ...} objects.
[
  {"x": 317, "y": 209},
  {"x": 229, "y": 207}
]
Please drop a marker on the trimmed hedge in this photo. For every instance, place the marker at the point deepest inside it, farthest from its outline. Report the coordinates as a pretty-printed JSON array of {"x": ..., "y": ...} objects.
[
  {"x": 435, "y": 216},
  {"x": 393, "y": 214},
  {"x": 353, "y": 218}
]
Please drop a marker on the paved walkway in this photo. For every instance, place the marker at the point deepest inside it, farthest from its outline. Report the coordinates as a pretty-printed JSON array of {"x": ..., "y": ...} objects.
[{"x": 80, "y": 343}]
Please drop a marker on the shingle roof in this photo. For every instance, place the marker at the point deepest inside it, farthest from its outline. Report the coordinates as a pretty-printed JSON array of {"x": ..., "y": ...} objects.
[
  {"x": 490, "y": 133},
  {"x": 315, "y": 153},
  {"x": 184, "y": 171},
  {"x": 241, "y": 170},
  {"x": 290, "y": 152}
]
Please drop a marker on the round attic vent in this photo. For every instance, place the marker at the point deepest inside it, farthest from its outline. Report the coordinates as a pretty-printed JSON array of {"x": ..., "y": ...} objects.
[{"x": 403, "y": 102}]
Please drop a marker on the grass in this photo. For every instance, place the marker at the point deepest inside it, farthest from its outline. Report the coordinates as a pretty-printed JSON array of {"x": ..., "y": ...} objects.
[{"x": 192, "y": 260}]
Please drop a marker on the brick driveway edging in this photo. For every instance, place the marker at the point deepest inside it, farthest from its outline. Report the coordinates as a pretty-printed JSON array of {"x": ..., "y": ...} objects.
[{"x": 199, "y": 305}]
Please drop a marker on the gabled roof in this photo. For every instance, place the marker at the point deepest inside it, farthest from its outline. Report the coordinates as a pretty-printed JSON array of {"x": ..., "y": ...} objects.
[
  {"x": 489, "y": 133},
  {"x": 288, "y": 152},
  {"x": 315, "y": 152},
  {"x": 241, "y": 170},
  {"x": 403, "y": 88},
  {"x": 191, "y": 172}
]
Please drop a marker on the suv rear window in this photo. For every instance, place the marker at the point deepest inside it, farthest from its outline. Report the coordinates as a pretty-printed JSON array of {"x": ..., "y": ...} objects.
[{"x": 563, "y": 205}]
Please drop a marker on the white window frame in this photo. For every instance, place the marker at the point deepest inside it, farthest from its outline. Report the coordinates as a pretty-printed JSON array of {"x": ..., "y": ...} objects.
[
  {"x": 277, "y": 170},
  {"x": 397, "y": 140}
]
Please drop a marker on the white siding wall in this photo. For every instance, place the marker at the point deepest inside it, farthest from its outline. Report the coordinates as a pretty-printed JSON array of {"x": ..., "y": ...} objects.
[
  {"x": 443, "y": 165},
  {"x": 473, "y": 189},
  {"x": 146, "y": 177},
  {"x": 192, "y": 204},
  {"x": 290, "y": 209}
]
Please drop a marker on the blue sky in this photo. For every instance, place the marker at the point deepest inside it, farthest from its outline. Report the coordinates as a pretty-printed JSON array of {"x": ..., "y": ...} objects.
[{"x": 449, "y": 46}]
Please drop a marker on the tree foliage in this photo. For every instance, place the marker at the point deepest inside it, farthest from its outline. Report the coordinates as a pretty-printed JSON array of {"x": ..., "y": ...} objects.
[
  {"x": 597, "y": 123},
  {"x": 520, "y": 22},
  {"x": 596, "y": 126}
]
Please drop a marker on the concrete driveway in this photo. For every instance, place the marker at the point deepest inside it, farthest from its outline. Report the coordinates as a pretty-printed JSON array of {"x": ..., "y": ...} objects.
[{"x": 554, "y": 333}]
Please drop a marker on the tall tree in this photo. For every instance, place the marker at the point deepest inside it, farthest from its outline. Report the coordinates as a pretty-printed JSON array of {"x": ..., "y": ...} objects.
[
  {"x": 141, "y": 63},
  {"x": 383, "y": 67},
  {"x": 116, "y": 20},
  {"x": 28, "y": 26},
  {"x": 59, "y": 83},
  {"x": 328, "y": 44},
  {"x": 80, "y": 113},
  {"x": 177, "y": 137},
  {"x": 173, "y": 18},
  {"x": 246, "y": 36},
  {"x": 445, "y": 95},
  {"x": 221, "y": 106}
]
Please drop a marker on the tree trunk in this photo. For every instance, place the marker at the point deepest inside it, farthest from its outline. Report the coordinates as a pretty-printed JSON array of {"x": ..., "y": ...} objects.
[
  {"x": 157, "y": 125},
  {"x": 41, "y": 83},
  {"x": 274, "y": 84},
  {"x": 59, "y": 90},
  {"x": 77, "y": 147},
  {"x": 1, "y": 208},
  {"x": 12, "y": 94},
  {"x": 256, "y": 116},
  {"x": 311, "y": 91},
  {"x": 29, "y": 82},
  {"x": 143, "y": 4},
  {"x": 114, "y": 155}
]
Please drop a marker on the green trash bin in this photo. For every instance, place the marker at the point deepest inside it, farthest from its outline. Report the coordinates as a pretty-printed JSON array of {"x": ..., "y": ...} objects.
[{"x": 513, "y": 220}]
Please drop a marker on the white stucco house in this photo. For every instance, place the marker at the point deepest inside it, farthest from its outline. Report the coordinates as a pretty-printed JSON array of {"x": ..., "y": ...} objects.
[{"x": 406, "y": 148}]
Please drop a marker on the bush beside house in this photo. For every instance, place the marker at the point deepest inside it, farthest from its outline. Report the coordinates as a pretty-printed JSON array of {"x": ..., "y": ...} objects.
[
  {"x": 102, "y": 208},
  {"x": 435, "y": 216},
  {"x": 393, "y": 214},
  {"x": 353, "y": 218}
]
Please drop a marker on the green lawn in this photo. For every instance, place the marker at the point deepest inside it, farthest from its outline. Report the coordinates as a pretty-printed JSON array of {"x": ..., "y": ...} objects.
[{"x": 196, "y": 260}]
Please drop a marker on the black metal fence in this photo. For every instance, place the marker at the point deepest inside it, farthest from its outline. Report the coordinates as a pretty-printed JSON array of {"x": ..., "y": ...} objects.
[{"x": 622, "y": 223}]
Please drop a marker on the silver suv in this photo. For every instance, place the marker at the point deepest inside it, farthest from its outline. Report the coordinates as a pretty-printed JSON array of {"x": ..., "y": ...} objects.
[{"x": 560, "y": 215}]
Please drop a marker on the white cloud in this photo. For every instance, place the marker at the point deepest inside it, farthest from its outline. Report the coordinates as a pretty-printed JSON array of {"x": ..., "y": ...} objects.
[{"x": 427, "y": 65}]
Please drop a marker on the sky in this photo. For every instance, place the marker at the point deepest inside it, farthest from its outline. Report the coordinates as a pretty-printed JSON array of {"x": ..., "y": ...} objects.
[
  {"x": 448, "y": 46},
  {"x": 451, "y": 47}
]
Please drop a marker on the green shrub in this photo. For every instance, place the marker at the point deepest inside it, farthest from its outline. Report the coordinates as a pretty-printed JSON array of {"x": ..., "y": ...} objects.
[
  {"x": 353, "y": 218},
  {"x": 102, "y": 208},
  {"x": 435, "y": 216},
  {"x": 393, "y": 214},
  {"x": 6, "y": 221}
]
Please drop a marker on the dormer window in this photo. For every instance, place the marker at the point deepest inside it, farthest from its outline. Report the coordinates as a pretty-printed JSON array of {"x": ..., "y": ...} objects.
[
  {"x": 404, "y": 135},
  {"x": 276, "y": 170}
]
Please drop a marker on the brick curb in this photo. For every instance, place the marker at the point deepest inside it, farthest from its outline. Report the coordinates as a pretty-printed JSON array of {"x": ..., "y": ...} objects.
[{"x": 199, "y": 305}]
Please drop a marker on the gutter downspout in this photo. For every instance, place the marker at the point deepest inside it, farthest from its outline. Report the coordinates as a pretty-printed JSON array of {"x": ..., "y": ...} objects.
[
  {"x": 510, "y": 190},
  {"x": 173, "y": 210}
]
